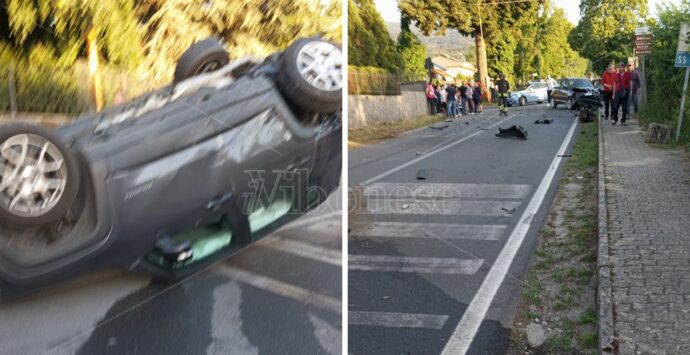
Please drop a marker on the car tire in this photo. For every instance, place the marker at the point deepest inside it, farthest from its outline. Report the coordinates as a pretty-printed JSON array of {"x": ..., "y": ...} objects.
[
  {"x": 523, "y": 101},
  {"x": 307, "y": 90},
  {"x": 201, "y": 57},
  {"x": 554, "y": 104},
  {"x": 46, "y": 149}
]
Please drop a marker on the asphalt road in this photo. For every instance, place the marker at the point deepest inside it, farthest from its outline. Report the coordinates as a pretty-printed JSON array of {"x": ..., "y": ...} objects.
[
  {"x": 436, "y": 265},
  {"x": 281, "y": 295}
]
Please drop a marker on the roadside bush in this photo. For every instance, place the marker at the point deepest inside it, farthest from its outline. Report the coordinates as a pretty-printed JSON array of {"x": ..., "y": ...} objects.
[
  {"x": 43, "y": 85},
  {"x": 372, "y": 81},
  {"x": 664, "y": 80}
]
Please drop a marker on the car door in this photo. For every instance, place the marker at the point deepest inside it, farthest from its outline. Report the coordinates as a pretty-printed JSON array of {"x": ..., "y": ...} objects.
[
  {"x": 561, "y": 95},
  {"x": 541, "y": 93}
]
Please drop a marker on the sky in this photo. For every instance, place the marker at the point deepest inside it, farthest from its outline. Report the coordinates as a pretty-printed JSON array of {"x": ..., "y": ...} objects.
[{"x": 389, "y": 8}]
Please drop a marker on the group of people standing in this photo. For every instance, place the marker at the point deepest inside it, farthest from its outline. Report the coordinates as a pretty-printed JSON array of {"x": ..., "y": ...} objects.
[
  {"x": 455, "y": 101},
  {"x": 620, "y": 87}
]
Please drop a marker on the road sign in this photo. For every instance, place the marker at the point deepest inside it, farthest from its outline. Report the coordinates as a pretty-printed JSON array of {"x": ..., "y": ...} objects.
[
  {"x": 641, "y": 30},
  {"x": 643, "y": 43},
  {"x": 683, "y": 52}
]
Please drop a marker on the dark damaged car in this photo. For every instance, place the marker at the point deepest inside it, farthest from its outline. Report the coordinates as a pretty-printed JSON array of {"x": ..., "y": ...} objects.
[{"x": 175, "y": 179}]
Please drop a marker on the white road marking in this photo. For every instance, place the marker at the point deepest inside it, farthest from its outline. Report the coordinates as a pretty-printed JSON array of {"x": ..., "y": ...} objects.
[
  {"x": 426, "y": 155},
  {"x": 309, "y": 251},
  {"x": 391, "y": 190},
  {"x": 442, "y": 207},
  {"x": 464, "y": 333},
  {"x": 414, "y": 264},
  {"x": 227, "y": 336},
  {"x": 439, "y": 230},
  {"x": 282, "y": 289},
  {"x": 329, "y": 336},
  {"x": 397, "y": 320}
]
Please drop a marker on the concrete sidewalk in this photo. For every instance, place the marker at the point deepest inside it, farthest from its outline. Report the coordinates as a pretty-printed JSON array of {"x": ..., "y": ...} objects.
[{"x": 648, "y": 205}]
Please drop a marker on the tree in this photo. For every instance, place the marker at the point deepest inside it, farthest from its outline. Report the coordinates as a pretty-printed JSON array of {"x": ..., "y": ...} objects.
[
  {"x": 63, "y": 26},
  {"x": 412, "y": 53},
  {"x": 558, "y": 58},
  {"x": 484, "y": 19},
  {"x": 369, "y": 43},
  {"x": 605, "y": 33},
  {"x": 247, "y": 28}
]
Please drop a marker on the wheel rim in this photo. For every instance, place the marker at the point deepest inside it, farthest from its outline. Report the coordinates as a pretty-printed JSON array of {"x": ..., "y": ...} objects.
[
  {"x": 32, "y": 175},
  {"x": 208, "y": 67},
  {"x": 320, "y": 64}
]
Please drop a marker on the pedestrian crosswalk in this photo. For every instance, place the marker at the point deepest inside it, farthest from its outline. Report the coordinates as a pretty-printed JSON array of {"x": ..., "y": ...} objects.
[
  {"x": 448, "y": 231},
  {"x": 397, "y": 320},
  {"x": 414, "y": 264},
  {"x": 398, "y": 214}
]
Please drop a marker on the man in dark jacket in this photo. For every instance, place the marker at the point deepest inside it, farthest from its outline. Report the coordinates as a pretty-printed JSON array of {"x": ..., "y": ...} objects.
[
  {"x": 621, "y": 95},
  {"x": 503, "y": 87},
  {"x": 463, "y": 97}
]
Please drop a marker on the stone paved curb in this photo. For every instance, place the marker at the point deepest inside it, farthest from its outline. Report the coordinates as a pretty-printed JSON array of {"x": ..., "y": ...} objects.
[{"x": 607, "y": 340}]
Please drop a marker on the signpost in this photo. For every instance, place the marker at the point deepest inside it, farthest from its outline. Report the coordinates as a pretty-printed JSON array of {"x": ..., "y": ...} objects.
[
  {"x": 683, "y": 61},
  {"x": 643, "y": 45}
]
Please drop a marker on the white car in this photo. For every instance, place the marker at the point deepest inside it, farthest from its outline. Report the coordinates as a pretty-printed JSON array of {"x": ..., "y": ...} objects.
[{"x": 535, "y": 92}]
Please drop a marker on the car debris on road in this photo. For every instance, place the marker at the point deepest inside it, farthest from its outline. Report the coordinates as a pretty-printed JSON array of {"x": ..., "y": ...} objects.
[{"x": 514, "y": 131}]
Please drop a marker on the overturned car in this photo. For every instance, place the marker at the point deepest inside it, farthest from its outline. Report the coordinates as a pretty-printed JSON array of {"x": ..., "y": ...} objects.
[{"x": 177, "y": 178}]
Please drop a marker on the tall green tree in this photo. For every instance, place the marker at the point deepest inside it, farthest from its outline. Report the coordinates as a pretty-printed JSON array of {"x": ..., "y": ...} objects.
[
  {"x": 369, "y": 43},
  {"x": 605, "y": 33},
  {"x": 412, "y": 53},
  {"x": 557, "y": 56},
  {"x": 483, "y": 19}
]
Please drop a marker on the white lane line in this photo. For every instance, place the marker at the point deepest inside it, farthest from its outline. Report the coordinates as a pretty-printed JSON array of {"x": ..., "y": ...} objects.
[
  {"x": 439, "y": 230},
  {"x": 282, "y": 289},
  {"x": 406, "y": 206},
  {"x": 414, "y": 264},
  {"x": 390, "y": 190},
  {"x": 309, "y": 251},
  {"x": 464, "y": 333},
  {"x": 426, "y": 155},
  {"x": 397, "y": 320}
]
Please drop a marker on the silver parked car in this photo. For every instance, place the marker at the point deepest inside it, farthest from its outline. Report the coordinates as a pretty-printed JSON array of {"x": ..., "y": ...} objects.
[{"x": 535, "y": 92}]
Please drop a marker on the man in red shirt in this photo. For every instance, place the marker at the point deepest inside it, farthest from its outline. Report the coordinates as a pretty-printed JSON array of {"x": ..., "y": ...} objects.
[
  {"x": 607, "y": 80},
  {"x": 621, "y": 94}
]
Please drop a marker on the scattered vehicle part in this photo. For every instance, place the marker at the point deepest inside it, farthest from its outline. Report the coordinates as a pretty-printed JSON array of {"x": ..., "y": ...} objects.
[
  {"x": 514, "y": 131},
  {"x": 423, "y": 174},
  {"x": 506, "y": 210},
  {"x": 588, "y": 104},
  {"x": 438, "y": 126},
  {"x": 544, "y": 121},
  {"x": 175, "y": 179}
]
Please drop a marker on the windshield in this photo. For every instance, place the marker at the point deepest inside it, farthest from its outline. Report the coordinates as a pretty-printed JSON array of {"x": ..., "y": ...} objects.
[{"x": 581, "y": 83}]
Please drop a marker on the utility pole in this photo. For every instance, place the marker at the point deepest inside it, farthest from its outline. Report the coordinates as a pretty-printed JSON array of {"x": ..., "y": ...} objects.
[{"x": 93, "y": 69}]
